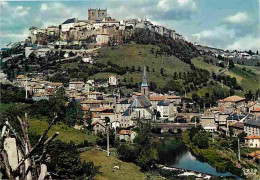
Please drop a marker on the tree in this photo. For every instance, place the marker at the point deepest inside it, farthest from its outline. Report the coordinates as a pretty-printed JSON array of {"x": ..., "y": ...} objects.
[
  {"x": 231, "y": 64},
  {"x": 158, "y": 115},
  {"x": 147, "y": 158},
  {"x": 127, "y": 152},
  {"x": 162, "y": 71},
  {"x": 231, "y": 131},
  {"x": 67, "y": 164},
  {"x": 195, "y": 97},
  {"x": 74, "y": 114},
  {"x": 201, "y": 140}
]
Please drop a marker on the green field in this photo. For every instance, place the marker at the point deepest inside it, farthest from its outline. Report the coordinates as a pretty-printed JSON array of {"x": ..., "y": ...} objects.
[{"x": 127, "y": 171}]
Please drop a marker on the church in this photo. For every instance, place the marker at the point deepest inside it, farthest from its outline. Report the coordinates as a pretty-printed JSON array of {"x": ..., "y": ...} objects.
[{"x": 141, "y": 107}]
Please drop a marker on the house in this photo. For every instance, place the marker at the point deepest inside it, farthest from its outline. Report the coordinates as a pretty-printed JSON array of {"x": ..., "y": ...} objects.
[
  {"x": 111, "y": 116},
  {"x": 234, "y": 118},
  {"x": 95, "y": 104},
  {"x": 102, "y": 39},
  {"x": 232, "y": 103},
  {"x": 238, "y": 128},
  {"x": 221, "y": 119},
  {"x": 37, "y": 89},
  {"x": 156, "y": 99},
  {"x": 112, "y": 80},
  {"x": 122, "y": 106},
  {"x": 127, "y": 135},
  {"x": 76, "y": 85},
  {"x": 208, "y": 122},
  {"x": 252, "y": 125},
  {"x": 255, "y": 110},
  {"x": 20, "y": 80},
  {"x": 68, "y": 24},
  {"x": 166, "y": 109},
  {"x": 98, "y": 126},
  {"x": 252, "y": 141}
]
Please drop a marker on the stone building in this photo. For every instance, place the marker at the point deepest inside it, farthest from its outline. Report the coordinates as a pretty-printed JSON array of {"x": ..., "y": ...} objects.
[{"x": 96, "y": 14}]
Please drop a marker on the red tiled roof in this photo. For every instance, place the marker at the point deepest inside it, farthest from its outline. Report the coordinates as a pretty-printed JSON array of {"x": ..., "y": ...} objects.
[
  {"x": 252, "y": 137},
  {"x": 107, "y": 113},
  {"x": 125, "y": 132},
  {"x": 85, "y": 108},
  {"x": 255, "y": 109},
  {"x": 157, "y": 98},
  {"x": 20, "y": 76},
  {"x": 233, "y": 99},
  {"x": 94, "y": 115}
]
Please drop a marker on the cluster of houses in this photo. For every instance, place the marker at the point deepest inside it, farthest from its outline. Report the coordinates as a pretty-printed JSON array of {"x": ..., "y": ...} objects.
[
  {"x": 226, "y": 54},
  {"x": 234, "y": 116},
  {"x": 99, "y": 26},
  {"x": 123, "y": 112}
]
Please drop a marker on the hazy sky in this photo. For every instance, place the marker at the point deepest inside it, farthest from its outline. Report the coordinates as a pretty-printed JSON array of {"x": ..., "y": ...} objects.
[{"x": 227, "y": 24}]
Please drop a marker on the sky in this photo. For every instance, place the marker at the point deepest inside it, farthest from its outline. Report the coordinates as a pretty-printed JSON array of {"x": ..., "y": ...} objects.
[{"x": 225, "y": 24}]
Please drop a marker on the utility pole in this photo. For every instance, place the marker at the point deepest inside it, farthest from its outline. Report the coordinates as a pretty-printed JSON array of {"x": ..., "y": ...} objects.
[
  {"x": 107, "y": 120},
  {"x": 107, "y": 139},
  {"x": 26, "y": 93},
  {"x": 213, "y": 136},
  {"x": 238, "y": 146}
]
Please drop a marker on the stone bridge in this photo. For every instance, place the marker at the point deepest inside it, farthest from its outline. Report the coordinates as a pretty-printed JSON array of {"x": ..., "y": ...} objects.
[
  {"x": 173, "y": 127},
  {"x": 187, "y": 116}
]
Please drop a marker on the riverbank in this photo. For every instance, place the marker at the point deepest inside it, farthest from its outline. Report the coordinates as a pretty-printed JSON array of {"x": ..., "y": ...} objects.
[{"x": 220, "y": 158}]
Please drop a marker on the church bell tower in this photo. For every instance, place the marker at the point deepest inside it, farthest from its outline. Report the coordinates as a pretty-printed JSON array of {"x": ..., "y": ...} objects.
[{"x": 144, "y": 85}]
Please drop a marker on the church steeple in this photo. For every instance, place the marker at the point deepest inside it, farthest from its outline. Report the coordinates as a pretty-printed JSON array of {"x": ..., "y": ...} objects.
[{"x": 144, "y": 85}]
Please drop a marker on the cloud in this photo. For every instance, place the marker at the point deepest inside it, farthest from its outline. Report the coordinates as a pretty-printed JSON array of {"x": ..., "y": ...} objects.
[
  {"x": 21, "y": 10},
  {"x": 44, "y": 7},
  {"x": 248, "y": 42},
  {"x": 167, "y": 5},
  {"x": 238, "y": 18},
  {"x": 216, "y": 37}
]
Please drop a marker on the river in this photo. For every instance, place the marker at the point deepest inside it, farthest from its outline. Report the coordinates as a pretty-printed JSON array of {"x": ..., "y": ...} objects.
[{"x": 173, "y": 153}]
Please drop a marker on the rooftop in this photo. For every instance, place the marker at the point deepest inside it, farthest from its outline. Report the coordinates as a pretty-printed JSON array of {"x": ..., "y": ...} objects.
[
  {"x": 233, "y": 99},
  {"x": 252, "y": 137}
]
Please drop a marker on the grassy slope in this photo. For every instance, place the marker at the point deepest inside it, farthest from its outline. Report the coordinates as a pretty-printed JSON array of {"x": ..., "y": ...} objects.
[
  {"x": 198, "y": 62},
  {"x": 66, "y": 133},
  {"x": 209, "y": 89},
  {"x": 246, "y": 80},
  {"x": 4, "y": 106},
  {"x": 129, "y": 56},
  {"x": 127, "y": 171}
]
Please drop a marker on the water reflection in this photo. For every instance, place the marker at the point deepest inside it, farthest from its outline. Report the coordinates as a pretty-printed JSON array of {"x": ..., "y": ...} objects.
[{"x": 173, "y": 153}]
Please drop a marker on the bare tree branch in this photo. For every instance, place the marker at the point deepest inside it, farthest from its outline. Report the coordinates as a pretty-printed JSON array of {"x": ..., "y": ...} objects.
[
  {"x": 30, "y": 153},
  {"x": 43, "y": 172},
  {"x": 8, "y": 169},
  {"x": 46, "y": 144},
  {"x": 17, "y": 136}
]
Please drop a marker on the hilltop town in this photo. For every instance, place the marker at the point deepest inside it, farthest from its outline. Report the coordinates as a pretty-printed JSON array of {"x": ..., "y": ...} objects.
[{"x": 102, "y": 75}]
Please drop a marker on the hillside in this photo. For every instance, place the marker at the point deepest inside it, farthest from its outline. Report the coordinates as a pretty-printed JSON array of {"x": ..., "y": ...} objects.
[
  {"x": 138, "y": 56},
  {"x": 247, "y": 76}
]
